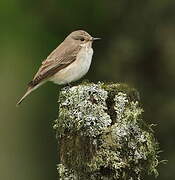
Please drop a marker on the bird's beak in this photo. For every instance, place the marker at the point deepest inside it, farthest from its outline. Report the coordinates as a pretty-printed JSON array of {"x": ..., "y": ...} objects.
[{"x": 94, "y": 39}]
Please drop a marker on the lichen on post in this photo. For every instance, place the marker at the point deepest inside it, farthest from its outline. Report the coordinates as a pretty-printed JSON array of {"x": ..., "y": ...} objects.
[{"x": 101, "y": 134}]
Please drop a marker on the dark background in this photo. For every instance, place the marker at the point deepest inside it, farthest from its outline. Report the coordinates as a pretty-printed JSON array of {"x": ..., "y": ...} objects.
[{"x": 137, "y": 47}]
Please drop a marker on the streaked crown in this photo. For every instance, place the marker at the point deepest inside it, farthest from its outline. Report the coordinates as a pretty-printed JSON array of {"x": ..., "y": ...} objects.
[{"x": 80, "y": 35}]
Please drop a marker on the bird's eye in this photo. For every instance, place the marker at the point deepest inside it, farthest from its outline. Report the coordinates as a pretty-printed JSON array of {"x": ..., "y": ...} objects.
[{"x": 82, "y": 39}]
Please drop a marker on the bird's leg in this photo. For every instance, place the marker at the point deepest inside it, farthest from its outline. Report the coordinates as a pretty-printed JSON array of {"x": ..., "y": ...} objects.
[{"x": 67, "y": 86}]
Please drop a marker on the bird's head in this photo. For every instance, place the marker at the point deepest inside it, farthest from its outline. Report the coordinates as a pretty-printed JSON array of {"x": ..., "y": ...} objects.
[{"x": 81, "y": 37}]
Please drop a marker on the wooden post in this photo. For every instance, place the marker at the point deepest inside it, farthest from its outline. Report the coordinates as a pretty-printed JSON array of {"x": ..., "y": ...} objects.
[{"x": 101, "y": 134}]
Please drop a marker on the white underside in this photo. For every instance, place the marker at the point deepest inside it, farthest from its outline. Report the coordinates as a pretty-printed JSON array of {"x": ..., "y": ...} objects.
[{"x": 77, "y": 69}]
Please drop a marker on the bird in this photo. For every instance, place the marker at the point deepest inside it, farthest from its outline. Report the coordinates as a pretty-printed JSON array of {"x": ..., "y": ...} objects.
[{"x": 69, "y": 62}]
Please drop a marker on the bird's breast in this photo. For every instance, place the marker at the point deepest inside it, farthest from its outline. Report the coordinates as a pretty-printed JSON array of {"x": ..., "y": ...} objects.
[
  {"x": 84, "y": 59},
  {"x": 77, "y": 69}
]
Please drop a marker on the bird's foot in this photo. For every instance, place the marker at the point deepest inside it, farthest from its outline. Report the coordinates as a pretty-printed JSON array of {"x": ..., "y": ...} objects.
[{"x": 67, "y": 86}]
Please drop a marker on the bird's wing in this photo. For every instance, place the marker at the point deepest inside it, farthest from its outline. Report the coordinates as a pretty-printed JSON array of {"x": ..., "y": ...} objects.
[{"x": 60, "y": 58}]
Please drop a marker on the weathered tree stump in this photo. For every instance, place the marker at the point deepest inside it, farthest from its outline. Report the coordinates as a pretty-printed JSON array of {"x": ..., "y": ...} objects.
[{"x": 101, "y": 134}]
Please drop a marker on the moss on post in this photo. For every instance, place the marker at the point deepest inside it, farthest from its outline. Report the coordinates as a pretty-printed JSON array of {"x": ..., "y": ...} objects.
[{"x": 102, "y": 136}]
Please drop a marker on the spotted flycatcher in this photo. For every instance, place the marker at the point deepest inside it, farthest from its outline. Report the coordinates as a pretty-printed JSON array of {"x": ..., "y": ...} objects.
[{"x": 67, "y": 63}]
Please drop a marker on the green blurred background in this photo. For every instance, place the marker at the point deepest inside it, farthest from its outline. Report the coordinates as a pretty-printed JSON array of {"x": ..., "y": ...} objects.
[{"x": 137, "y": 47}]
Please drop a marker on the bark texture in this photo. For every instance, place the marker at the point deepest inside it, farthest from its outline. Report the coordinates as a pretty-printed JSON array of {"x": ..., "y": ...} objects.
[{"x": 101, "y": 134}]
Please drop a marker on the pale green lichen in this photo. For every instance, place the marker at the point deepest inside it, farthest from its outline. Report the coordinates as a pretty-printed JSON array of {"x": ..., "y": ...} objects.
[
  {"x": 102, "y": 135},
  {"x": 65, "y": 174},
  {"x": 120, "y": 104},
  {"x": 83, "y": 108}
]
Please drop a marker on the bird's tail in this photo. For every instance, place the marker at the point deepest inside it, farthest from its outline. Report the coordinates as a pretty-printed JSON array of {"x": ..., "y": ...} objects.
[{"x": 29, "y": 90}]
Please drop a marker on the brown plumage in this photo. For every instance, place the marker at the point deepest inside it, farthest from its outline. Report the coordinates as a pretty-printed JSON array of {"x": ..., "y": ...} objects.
[
  {"x": 55, "y": 62},
  {"x": 64, "y": 55}
]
